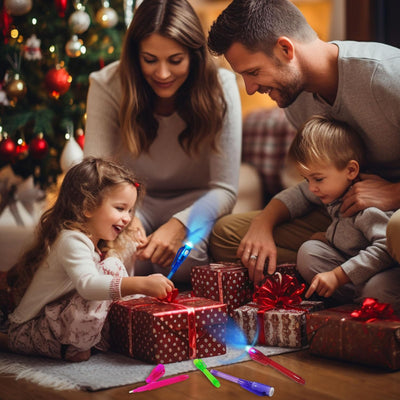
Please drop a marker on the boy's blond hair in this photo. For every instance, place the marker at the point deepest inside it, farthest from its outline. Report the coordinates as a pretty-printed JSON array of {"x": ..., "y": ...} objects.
[{"x": 326, "y": 141}]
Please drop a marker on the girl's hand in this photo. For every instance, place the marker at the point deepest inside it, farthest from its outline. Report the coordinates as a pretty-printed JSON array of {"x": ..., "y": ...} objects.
[
  {"x": 155, "y": 285},
  {"x": 163, "y": 244}
]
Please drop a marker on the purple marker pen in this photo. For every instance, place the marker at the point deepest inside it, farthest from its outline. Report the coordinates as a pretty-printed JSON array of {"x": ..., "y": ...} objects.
[{"x": 254, "y": 387}]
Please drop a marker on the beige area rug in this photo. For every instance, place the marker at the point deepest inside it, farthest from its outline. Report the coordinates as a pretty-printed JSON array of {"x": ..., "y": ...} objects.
[{"x": 106, "y": 370}]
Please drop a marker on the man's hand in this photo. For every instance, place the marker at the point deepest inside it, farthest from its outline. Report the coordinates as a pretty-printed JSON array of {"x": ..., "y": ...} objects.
[
  {"x": 371, "y": 191},
  {"x": 256, "y": 247}
]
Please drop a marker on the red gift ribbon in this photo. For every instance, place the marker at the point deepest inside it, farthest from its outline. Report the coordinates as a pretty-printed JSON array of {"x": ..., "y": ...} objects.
[
  {"x": 220, "y": 269},
  {"x": 177, "y": 303},
  {"x": 371, "y": 310},
  {"x": 172, "y": 299},
  {"x": 278, "y": 291}
]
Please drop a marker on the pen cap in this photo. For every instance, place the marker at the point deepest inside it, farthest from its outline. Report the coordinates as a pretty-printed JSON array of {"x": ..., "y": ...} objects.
[
  {"x": 157, "y": 372},
  {"x": 257, "y": 388}
]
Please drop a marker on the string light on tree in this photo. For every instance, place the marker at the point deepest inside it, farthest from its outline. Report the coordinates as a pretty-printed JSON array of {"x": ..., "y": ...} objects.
[
  {"x": 22, "y": 148},
  {"x": 129, "y": 7}
]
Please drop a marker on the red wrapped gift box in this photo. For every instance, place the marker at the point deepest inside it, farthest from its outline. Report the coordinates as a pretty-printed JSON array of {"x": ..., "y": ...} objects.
[
  {"x": 224, "y": 282},
  {"x": 335, "y": 333},
  {"x": 277, "y": 316},
  {"x": 155, "y": 331}
]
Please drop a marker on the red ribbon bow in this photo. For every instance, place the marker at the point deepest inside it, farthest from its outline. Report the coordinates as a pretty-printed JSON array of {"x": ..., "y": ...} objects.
[
  {"x": 372, "y": 310},
  {"x": 279, "y": 291},
  {"x": 171, "y": 296}
]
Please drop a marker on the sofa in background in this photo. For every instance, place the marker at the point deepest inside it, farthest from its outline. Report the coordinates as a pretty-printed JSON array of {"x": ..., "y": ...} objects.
[{"x": 267, "y": 135}]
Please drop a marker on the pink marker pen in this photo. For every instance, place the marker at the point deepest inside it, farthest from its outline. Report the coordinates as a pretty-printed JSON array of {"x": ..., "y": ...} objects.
[
  {"x": 159, "y": 384},
  {"x": 157, "y": 372}
]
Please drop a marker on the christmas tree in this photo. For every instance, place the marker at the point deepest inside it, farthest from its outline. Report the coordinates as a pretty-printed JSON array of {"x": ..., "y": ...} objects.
[{"x": 48, "y": 50}]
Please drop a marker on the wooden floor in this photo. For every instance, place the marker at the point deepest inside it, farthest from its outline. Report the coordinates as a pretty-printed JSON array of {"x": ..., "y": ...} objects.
[{"x": 325, "y": 379}]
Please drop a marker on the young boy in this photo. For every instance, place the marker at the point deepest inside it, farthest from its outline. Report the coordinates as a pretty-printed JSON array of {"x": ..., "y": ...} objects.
[{"x": 345, "y": 261}]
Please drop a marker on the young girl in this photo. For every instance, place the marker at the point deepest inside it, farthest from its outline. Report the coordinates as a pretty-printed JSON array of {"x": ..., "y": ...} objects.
[{"x": 64, "y": 309}]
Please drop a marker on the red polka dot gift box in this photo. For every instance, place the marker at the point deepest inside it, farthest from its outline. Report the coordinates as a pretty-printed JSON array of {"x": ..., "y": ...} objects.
[
  {"x": 156, "y": 331},
  {"x": 225, "y": 282}
]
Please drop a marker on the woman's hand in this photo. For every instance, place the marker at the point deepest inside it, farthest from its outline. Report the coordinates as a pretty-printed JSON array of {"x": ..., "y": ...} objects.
[
  {"x": 371, "y": 191},
  {"x": 163, "y": 244},
  {"x": 139, "y": 233}
]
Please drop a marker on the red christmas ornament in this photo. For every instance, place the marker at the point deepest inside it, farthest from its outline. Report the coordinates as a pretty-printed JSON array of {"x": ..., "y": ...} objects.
[
  {"x": 58, "y": 81},
  {"x": 7, "y": 149},
  {"x": 61, "y": 6},
  {"x": 80, "y": 138},
  {"x": 38, "y": 147}
]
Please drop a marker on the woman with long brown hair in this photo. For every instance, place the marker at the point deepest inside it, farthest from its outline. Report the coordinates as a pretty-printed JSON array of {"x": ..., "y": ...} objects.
[{"x": 168, "y": 113}]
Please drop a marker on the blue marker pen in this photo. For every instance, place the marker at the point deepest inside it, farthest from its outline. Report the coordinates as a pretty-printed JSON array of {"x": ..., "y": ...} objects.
[{"x": 180, "y": 257}]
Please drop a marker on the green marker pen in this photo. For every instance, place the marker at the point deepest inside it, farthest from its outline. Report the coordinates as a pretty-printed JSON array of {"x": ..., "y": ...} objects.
[{"x": 203, "y": 368}]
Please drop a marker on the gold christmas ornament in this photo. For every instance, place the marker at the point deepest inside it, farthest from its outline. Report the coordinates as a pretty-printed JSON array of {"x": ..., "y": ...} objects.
[
  {"x": 107, "y": 17},
  {"x": 15, "y": 89}
]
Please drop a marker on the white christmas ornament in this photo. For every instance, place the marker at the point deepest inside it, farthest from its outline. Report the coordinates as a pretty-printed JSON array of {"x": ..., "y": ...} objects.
[
  {"x": 73, "y": 48},
  {"x": 79, "y": 21},
  {"x": 18, "y": 7},
  {"x": 72, "y": 154}
]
